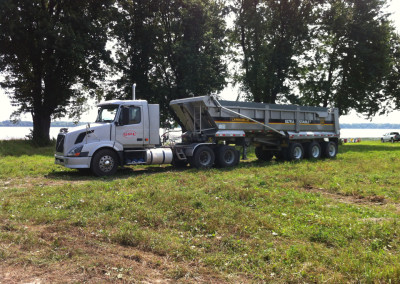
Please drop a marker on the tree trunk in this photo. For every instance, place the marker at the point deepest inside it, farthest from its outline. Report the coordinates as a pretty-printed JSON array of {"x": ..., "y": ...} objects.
[{"x": 41, "y": 128}]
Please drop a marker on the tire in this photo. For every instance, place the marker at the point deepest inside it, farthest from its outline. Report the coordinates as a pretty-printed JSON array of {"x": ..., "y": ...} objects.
[
  {"x": 314, "y": 151},
  {"x": 263, "y": 155},
  {"x": 330, "y": 150},
  {"x": 104, "y": 163},
  {"x": 382, "y": 140},
  {"x": 296, "y": 152},
  {"x": 203, "y": 158},
  {"x": 227, "y": 156}
]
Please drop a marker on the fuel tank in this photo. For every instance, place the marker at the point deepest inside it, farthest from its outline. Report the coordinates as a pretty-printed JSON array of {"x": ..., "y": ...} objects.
[{"x": 159, "y": 156}]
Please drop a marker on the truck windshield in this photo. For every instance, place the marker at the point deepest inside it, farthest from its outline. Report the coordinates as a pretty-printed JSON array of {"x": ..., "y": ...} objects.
[{"x": 107, "y": 113}]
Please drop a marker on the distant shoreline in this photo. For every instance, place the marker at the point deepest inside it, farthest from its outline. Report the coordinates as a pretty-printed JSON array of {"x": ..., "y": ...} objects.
[{"x": 8, "y": 123}]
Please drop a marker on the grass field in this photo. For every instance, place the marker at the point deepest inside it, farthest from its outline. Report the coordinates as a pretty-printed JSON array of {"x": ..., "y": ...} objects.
[{"x": 327, "y": 221}]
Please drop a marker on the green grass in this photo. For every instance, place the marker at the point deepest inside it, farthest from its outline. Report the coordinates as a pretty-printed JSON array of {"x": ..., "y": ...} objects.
[{"x": 324, "y": 221}]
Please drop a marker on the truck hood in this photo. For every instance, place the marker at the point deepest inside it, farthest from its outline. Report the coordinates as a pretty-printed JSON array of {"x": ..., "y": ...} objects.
[
  {"x": 79, "y": 135},
  {"x": 81, "y": 128}
]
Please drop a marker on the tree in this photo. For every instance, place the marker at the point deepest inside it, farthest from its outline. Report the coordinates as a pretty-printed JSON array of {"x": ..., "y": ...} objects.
[
  {"x": 352, "y": 62},
  {"x": 271, "y": 34},
  {"x": 51, "y": 51},
  {"x": 392, "y": 87},
  {"x": 171, "y": 49}
]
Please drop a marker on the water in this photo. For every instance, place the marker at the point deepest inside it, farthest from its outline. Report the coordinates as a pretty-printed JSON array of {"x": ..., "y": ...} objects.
[
  {"x": 364, "y": 133},
  {"x": 7, "y": 133}
]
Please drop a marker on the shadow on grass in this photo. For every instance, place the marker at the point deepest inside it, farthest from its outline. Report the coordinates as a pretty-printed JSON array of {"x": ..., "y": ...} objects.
[
  {"x": 17, "y": 148},
  {"x": 132, "y": 171},
  {"x": 122, "y": 173}
]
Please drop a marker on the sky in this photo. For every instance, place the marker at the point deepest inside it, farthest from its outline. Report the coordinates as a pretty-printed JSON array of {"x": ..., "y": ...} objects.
[{"x": 230, "y": 93}]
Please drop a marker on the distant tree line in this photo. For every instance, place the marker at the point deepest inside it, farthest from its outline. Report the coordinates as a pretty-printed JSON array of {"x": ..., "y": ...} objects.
[
  {"x": 10, "y": 123},
  {"x": 56, "y": 54}
]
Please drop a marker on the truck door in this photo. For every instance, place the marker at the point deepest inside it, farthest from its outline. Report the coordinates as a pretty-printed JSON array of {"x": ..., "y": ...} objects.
[{"x": 130, "y": 128}]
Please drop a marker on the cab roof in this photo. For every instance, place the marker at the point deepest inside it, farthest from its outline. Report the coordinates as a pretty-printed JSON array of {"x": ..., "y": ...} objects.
[{"x": 121, "y": 102}]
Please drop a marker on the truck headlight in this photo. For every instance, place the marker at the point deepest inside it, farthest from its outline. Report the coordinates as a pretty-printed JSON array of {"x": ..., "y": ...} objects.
[{"x": 75, "y": 152}]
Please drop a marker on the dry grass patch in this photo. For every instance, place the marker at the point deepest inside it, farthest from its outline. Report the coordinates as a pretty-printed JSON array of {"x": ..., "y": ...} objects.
[{"x": 68, "y": 254}]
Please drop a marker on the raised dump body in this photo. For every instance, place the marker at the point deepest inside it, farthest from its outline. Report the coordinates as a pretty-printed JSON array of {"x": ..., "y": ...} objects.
[
  {"x": 201, "y": 114},
  {"x": 290, "y": 132}
]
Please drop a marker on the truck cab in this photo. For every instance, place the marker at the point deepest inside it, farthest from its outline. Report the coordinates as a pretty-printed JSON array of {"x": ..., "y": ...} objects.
[
  {"x": 131, "y": 123},
  {"x": 125, "y": 132}
]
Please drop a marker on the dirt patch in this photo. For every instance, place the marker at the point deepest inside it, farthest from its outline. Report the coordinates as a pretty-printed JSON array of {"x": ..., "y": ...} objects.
[
  {"x": 31, "y": 182},
  {"x": 350, "y": 199},
  {"x": 74, "y": 255},
  {"x": 377, "y": 220}
]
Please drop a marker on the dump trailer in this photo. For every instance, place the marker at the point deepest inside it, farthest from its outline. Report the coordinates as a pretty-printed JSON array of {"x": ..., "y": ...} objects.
[
  {"x": 288, "y": 132},
  {"x": 127, "y": 133}
]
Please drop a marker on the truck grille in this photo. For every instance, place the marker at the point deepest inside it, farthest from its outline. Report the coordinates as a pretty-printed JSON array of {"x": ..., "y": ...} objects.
[{"x": 60, "y": 143}]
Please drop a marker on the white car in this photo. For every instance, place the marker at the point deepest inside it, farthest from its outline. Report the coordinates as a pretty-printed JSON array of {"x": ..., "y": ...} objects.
[{"x": 390, "y": 137}]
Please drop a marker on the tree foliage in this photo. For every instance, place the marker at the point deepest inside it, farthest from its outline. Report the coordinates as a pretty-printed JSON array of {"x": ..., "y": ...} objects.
[
  {"x": 172, "y": 49},
  {"x": 341, "y": 53},
  {"x": 50, "y": 51},
  {"x": 270, "y": 34},
  {"x": 351, "y": 61}
]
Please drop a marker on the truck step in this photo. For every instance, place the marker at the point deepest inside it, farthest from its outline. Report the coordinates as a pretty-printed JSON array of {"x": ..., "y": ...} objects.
[{"x": 180, "y": 154}]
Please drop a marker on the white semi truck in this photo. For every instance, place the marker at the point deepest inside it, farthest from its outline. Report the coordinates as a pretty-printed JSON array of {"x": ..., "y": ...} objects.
[{"x": 127, "y": 133}]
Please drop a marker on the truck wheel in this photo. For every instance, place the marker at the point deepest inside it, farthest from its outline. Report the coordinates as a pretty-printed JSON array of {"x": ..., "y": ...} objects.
[
  {"x": 296, "y": 152},
  {"x": 263, "y": 155},
  {"x": 313, "y": 151},
  {"x": 382, "y": 140},
  {"x": 104, "y": 163},
  {"x": 227, "y": 156},
  {"x": 203, "y": 158},
  {"x": 330, "y": 150}
]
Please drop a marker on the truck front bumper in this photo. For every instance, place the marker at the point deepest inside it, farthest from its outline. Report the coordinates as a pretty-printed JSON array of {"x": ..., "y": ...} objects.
[{"x": 73, "y": 162}]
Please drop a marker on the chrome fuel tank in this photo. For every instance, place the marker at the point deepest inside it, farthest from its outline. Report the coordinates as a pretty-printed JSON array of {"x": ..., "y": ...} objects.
[{"x": 159, "y": 156}]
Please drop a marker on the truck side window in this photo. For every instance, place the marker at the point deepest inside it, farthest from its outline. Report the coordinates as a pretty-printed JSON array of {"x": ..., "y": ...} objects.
[{"x": 135, "y": 116}]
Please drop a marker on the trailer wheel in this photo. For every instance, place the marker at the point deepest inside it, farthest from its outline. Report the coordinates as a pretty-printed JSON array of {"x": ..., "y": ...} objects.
[
  {"x": 330, "y": 150},
  {"x": 104, "y": 163},
  {"x": 263, "y": 155},
  {"x": 314, "y": 151},
  {"x": 203, "y": 158},
  {"x": 227, "y": 156},
  {"x": 296, "y": 152}
]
